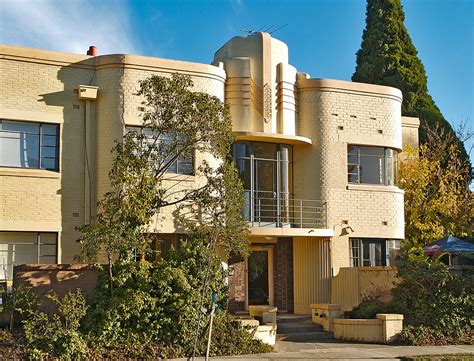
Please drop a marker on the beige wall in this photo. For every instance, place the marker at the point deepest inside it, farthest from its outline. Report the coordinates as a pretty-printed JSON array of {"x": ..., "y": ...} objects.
[
  {"x": 334, "y": 114},
  {"x": 41, "y": 86},
  {"x": 311, "y": 272}
]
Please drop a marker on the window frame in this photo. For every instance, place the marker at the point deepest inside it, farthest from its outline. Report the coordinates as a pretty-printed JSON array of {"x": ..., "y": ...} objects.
[
  {"x": 389, "y": 170},
  {"x": 176, "y": 162},
  {"x": 38, "y": 243},
  {"x": 356, "y": 251},
  {"x": 40, "y": 144}
]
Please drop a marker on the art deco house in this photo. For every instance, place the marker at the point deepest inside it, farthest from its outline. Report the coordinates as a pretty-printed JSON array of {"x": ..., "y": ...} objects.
[{"x": 317, "y": 159}]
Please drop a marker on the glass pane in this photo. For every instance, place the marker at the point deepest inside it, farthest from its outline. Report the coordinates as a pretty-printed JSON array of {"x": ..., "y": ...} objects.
[
  {"x": 20, "y": 127},
  {"x": 49, "y": 140},
  {"x": 265, "y": 150},
  {"x": 258, "y": 278},
  {"x": 185, "y": 166},
  {"x": 243, "y": 166},
  {"x": 353, "y": 178},
  {"x": 371, "y": 170},
  {"x": 240, "y": 150},
  {"x": 47, "y": 250},
  {"x": 48, "y": 152},
  {"x": 353, "y": 150},
  {"x": 48, "y": 260},
  {"x": 353, "y": 159},
  {"x": 374, "y": 151},
  {"x": 49, "y": 129},
  {"x": 49, "y": 163}
]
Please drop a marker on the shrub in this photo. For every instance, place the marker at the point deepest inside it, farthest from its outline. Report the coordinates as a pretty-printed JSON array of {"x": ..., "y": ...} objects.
[
  {"x": 229, "y": 337},
  {"x": 58, "y": 336},
  {"x": 436, "y": 302},
  {"x": 368, "y": 308},
  {"x": 154, "y": 307}
]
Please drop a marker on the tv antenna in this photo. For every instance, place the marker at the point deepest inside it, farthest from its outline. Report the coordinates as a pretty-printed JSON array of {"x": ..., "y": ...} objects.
[{"x": 265, "y": 29}]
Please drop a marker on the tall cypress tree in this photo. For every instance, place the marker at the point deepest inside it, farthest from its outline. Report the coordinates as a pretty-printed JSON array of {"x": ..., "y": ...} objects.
[{"x": 388, "y": 57}]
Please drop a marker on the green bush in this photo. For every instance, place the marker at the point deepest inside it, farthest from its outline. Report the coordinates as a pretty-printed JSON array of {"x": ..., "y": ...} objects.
[
  {"x": 368, "y": 308},
  {"x": 154, "y": 307},
  {"x": 437, "y": 303},
  {"x": 58, "y": 336},
  {"x": 229, "y": 337}
]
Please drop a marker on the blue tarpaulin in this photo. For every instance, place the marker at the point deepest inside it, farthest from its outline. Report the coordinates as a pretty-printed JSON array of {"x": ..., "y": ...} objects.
[{"x": 450, "y": 245}]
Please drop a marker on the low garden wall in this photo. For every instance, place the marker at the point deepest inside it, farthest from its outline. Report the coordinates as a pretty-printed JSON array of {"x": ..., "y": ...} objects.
[
  {"x": 384, "y": 329},
  {"x": 57, "y": 278}
]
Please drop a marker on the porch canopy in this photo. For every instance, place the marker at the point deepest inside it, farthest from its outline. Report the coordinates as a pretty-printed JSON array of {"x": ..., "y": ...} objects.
[{"x": 450, "y": 245}]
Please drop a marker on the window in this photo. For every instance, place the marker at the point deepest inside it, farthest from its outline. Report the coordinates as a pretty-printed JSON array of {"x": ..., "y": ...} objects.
[
  {"x": 266, "y": 173},
  {"x": 373, "y": 252},
  {"x": 371, "y": 165},
  {"x": 182, "y": 165},
  {"x": 25, "y": 247},
  {"x": 29, "y": 145}
]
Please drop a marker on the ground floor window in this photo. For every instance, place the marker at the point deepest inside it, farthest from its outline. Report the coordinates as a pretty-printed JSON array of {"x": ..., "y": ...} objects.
[
  {"x": 373, "y": 251},
  {"x": 26, "y": 248},
  {"x": 162, "y": 243}
]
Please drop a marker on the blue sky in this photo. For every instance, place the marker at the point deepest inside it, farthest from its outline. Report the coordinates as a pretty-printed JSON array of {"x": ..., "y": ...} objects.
[{"x": 322, "y": 35}]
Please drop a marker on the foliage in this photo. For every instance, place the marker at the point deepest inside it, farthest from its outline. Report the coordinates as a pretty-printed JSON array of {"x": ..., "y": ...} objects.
[
  {"x": 431, "y": 295},
  {"x": 437, "y": 303},
  {"x": 368, "y": 308},
  {"x": 58, "y": 336},
  {"x": 179, "y": 122},
  {"x": 153, "y": 311},
  {"x": 229, "y": 337},
  {"x": 437, "y": 200},
  {"x": 388, "y": 57}
]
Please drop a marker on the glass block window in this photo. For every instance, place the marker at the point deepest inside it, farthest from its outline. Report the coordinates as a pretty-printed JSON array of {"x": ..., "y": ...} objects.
[{"x": 29, "y": 145}]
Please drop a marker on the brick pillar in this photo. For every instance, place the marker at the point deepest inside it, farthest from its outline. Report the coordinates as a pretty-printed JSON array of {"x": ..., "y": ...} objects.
[
  {"x": 283, "y": 275},
  {"x": 236, "y": 286}
]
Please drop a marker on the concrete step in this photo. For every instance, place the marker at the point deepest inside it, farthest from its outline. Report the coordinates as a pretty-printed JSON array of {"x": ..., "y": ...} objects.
[
  {"x": 305, "y": 337},
  {"x": 298, "y": 328},
  {"x": 281, "y": 319}
]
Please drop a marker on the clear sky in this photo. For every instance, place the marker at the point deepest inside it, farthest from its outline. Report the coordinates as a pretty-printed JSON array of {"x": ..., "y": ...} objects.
[{"x": 323, "y": 35}]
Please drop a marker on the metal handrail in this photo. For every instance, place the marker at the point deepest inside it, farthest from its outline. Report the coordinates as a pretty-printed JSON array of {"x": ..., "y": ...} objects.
[{"x": 283, "y": 211}]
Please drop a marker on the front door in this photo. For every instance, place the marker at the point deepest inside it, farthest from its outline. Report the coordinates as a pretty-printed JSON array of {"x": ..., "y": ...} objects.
[{"x": 260, "y": 276}]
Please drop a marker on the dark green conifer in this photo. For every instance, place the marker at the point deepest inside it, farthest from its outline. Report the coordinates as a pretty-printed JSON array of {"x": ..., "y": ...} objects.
[{"x": 388, "y": 57}]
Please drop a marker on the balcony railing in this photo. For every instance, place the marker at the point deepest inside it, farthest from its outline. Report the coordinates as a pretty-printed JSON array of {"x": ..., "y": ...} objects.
[{"x": 269, "y": 209}]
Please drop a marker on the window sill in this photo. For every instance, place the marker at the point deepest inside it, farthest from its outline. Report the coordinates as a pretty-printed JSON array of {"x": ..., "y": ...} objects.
[
  {"x": 175, "y": 177},
  {"x": 28, "y": 172},
  {"x": 374, "y": 188}
]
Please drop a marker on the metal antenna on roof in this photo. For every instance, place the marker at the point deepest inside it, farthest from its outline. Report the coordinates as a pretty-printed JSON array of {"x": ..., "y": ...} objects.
[
  {"x": 248, "y": 31},
  {"x": 278, "y": 28}
]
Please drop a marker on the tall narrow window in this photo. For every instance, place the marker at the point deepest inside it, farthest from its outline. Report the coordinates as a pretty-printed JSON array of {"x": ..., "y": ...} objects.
[{"x": 29, "y": 145}]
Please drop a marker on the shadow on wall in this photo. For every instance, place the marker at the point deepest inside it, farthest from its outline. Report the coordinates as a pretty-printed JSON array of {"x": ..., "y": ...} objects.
[
  {"x": 72, "y": 152},
  {"x": 59, "y": 278}
]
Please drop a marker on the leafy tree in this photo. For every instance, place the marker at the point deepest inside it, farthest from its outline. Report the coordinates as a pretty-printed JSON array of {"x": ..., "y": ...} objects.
[
  {"x": 388, "y": 57},
  {"x": 179, "y": 122},
  {"x": 437, "y": 199}
]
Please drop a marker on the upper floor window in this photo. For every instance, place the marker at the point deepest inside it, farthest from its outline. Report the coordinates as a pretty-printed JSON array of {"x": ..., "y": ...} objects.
[
  {"x": 29, "y": 145},
  {"x": 371, "y": 165},
  {"x": 182, "y": 164}
]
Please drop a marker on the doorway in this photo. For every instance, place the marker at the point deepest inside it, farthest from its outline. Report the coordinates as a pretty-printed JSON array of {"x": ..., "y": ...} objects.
[{"x": 260, "y": 276}]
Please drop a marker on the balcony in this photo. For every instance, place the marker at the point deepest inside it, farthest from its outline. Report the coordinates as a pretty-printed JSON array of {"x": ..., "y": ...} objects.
[{"x": 281, "y": 210}]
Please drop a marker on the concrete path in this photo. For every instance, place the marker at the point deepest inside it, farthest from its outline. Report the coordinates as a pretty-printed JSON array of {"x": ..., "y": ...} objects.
[{"x": 350, "y": 351}]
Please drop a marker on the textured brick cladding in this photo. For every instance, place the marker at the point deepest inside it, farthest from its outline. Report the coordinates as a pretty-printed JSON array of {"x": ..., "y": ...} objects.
[
  {"x": 42, "y": 200},
  {"x": 334, "y": 119}
]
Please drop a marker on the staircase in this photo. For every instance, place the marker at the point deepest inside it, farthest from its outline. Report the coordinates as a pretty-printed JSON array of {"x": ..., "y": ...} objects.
[{"x": 300, "y": 328}]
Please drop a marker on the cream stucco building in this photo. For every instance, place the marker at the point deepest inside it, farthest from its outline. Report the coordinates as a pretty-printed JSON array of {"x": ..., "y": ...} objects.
[{"x": 317, "y": 158}]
